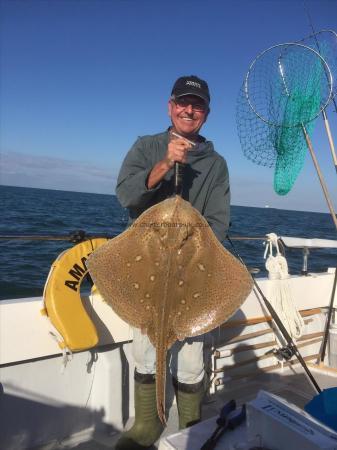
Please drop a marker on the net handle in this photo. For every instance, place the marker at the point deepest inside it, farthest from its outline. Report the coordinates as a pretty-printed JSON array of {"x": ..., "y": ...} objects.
[
  {"x": 320, "y": 176},
  {"x": 329, "y": 81}
]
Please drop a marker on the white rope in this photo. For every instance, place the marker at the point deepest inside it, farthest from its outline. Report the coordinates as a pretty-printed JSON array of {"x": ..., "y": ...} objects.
[
  {"x": 280, "y": 293},
  {"x": 55, "y": 335},
  {"x": 67, "y": 354}
]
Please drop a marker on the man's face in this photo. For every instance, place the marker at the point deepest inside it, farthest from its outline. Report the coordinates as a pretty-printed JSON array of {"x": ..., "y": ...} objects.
[{"x": 188, "y": 114}]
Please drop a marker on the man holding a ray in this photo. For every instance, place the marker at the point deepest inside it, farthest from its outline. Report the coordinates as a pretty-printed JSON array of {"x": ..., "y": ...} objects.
[{"x": 145, "y": 179}]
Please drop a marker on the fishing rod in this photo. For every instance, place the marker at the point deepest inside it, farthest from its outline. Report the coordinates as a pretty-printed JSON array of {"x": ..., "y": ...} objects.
[
  {"x": 291, "y": 348},
  {"x": 324, "y": 114}
]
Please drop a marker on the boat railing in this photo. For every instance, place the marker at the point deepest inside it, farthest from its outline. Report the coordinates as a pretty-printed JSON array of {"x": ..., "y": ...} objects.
[
  {"x": 287, "y": 242},
  {"x": 80, "y": 235}
]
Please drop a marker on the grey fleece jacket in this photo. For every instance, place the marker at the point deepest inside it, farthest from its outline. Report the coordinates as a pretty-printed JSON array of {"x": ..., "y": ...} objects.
[{"x": 205, "y": 181}]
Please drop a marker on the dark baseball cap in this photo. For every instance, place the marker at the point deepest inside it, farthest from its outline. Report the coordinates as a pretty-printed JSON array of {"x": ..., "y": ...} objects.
[{"x": 191, "y": 85}]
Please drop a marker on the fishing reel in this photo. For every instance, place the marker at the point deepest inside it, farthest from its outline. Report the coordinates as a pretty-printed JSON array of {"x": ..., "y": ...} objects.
[{"x": 285, "y": 353}]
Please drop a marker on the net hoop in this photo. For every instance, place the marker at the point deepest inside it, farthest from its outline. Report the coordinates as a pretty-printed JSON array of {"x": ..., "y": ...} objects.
[
  {"x": 317, "y": 33},
  {"x": 289, "y": 44}
]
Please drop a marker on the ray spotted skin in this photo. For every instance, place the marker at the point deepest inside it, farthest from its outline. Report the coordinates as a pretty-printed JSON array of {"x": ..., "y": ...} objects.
[{"x": 169, "y": 276}]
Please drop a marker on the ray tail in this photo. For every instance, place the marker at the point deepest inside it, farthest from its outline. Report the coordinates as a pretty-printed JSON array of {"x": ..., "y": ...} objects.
[{"x": 161, "y": 381}]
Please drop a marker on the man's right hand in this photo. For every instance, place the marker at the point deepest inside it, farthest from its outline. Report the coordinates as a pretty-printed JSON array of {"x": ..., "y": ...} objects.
[{"x": 177, "y": 151}]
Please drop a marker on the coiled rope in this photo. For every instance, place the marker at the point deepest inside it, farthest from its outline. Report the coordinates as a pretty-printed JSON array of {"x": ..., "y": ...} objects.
[{"x": 280, "y": 295}]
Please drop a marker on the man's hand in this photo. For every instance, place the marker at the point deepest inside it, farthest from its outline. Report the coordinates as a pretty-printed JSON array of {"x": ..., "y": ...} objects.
[{"x": 177, "y": 151}]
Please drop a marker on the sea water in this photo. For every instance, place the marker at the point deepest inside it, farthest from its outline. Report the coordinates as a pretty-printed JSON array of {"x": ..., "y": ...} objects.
[{"x": 24, "y": 264}]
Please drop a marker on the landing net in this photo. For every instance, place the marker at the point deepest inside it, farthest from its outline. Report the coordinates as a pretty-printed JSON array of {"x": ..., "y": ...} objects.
[{"x": 286, "y": 87}]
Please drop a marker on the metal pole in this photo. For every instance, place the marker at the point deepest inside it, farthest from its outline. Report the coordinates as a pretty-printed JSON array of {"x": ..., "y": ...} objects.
[
  {"x": 178, "y": 178},
  {"x": 328, "y": 320},
  {"x": 331, "y": 143},
  {"x": 320, "y": 176},
  {"x": 325, "y": 117}
]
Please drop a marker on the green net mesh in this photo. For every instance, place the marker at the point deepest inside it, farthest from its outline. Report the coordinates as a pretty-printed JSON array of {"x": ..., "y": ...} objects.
[
  {"x": 285, "y": 88},
  {"x": 289, "y": 142}
]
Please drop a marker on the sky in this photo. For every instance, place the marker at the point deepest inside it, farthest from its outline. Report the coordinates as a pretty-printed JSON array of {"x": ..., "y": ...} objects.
[{"x": 80, "y": 80}]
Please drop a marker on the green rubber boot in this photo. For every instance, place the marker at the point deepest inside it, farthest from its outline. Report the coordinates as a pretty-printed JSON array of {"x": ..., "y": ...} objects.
[
  {"x": 147, "y": 427},
  {"x": 189, "y": 398}
]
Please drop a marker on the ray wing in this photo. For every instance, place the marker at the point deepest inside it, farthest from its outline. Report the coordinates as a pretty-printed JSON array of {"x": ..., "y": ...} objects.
[
  {"x": 129, "y": 272},
  {"x": 212, "y": 285}
]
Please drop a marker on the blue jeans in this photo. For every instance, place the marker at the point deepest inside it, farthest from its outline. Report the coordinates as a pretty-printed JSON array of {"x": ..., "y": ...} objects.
[{"x": 186, "y": 358}]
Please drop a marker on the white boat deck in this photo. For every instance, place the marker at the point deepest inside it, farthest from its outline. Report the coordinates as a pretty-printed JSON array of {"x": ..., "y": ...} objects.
[
  {"x": 86, "y": 405},
  {"x": 290, "y": 383}
]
